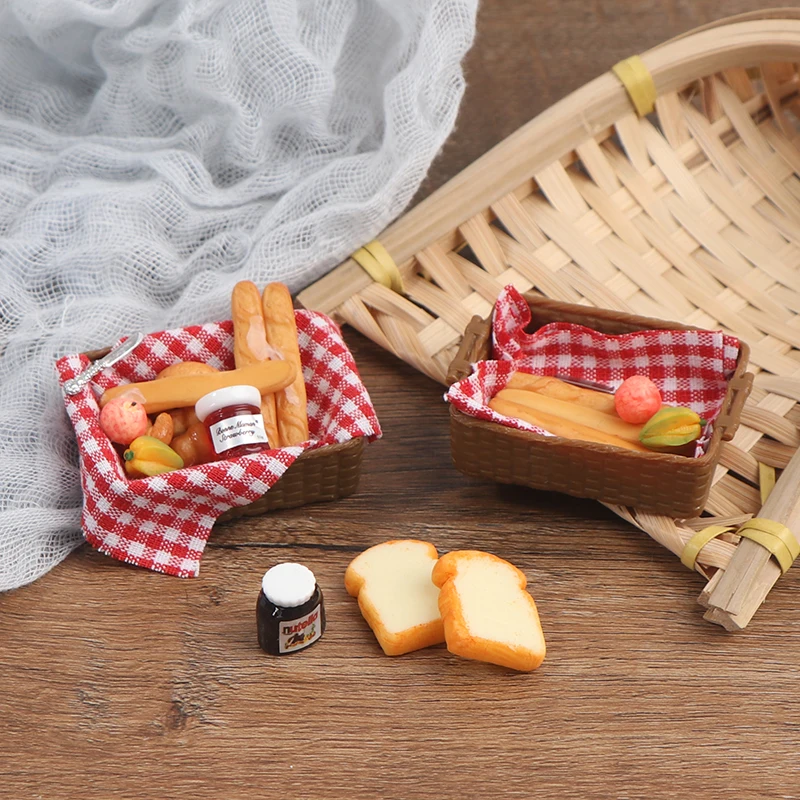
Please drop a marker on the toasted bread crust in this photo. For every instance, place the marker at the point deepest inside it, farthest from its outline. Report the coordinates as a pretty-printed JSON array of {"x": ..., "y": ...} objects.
[
  {"x": 460, "y": 641},
  {"x": 392, "y": 644}
]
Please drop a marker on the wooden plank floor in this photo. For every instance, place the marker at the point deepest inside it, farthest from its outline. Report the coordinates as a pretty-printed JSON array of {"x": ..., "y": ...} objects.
[{"x": 116, "y": 682}]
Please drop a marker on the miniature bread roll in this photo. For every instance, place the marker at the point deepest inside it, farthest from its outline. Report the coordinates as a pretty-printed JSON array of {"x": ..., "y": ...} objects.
[
  {"x": 250, "y": 346},
  {"x": 487, "y": 614},
  {"x": 397, "y": 598},
  {"x": 184, "y": 368},
  {"x": 282, "y": 336}
]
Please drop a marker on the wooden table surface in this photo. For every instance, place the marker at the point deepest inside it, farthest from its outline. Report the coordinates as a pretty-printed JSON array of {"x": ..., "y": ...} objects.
[{"x": 121, "y": 683}]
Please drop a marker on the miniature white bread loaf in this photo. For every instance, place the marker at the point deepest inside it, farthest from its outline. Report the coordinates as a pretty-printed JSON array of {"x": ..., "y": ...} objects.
[
  {"x": 487, "y": 614},
  {"x": 397, "y": 598}
]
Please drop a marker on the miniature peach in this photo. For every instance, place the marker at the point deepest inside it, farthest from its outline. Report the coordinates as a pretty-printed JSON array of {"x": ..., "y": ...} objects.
[
  {"x": 124, "y": 419},
  {"x": 637, "y": 399}
]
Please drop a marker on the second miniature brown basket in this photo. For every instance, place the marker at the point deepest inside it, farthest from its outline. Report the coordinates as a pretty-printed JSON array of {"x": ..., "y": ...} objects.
[{"x": 658, "y": 483}]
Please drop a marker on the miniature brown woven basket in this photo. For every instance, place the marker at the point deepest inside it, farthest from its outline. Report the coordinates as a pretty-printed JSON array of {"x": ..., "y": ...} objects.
[
  {"x": 327, "y": 473},
  {"x": 658, "y": 483}
]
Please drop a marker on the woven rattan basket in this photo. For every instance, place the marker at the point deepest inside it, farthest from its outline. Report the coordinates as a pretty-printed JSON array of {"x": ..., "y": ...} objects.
[
  {"x": 655, "y": 482},
  {"x": 689, "y": 211},
  {"x": 327, "y": 473}
]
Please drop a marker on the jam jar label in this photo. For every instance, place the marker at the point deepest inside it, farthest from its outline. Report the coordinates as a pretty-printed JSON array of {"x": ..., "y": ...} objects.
[
  {"x": 234, "y": 431},
  {"x": 295, "y": 634}
]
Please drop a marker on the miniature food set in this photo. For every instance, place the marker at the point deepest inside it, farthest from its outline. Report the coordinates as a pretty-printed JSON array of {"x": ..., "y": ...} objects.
[
  {"x": 154, "y": 486},
  {"x": 564, "y": 384}
]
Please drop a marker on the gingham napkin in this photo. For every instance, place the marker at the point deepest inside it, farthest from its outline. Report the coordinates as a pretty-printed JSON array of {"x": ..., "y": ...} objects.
[
  {"x": 691, "y": 368},
  {"x": 163, "y": 522}
]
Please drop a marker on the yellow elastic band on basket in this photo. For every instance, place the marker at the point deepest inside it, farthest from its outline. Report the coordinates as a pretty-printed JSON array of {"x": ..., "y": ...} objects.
[
  {"x": 638, "y": 82},
  {"x": 766, "y": 480},
  {"x": 776, "y": 538},
  {"x": 380, "y": 266},
  {"x": 773, "y": 536},
  {"x": 693, "y": 547}
]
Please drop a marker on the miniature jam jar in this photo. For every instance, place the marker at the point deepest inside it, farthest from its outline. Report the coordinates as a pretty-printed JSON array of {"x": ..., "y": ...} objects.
[
  {"x": 290, "y": 611},
  {"x": 233, "y": 419}
]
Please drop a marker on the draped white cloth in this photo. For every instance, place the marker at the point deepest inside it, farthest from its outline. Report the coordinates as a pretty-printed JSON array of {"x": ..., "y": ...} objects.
[{"x": 154, "y": 152}]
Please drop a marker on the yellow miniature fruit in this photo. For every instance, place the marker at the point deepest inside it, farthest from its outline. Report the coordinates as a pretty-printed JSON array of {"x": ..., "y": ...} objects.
[
  {"x": 148, "y": 456},
  {"x": 671, "y": 427}
]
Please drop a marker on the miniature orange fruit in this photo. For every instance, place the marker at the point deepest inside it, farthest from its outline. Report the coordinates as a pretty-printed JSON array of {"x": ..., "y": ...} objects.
[{"x": 637, "y": 399}]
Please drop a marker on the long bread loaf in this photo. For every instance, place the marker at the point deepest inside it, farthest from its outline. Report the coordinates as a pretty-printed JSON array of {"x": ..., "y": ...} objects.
[
  {"x": 250, "y": 346},
  {"x": 282, "y": 336}
]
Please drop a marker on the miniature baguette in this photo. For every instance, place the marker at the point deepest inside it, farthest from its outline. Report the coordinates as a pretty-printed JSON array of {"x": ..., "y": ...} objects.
[
  {"x": 560, "y": 427},
  {"x": 250, "y": 346},
  {"x": 487, "y": 614},
  {"x": 392, "y": 582},
  {"x": 282, "y": 336},
  {"x": 553, "y": 387},
  {"x": 572, "y": 412},
  {"x": 166, "y": 393}
]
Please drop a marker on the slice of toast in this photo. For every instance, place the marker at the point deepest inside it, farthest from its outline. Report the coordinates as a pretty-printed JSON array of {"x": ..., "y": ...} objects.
[
  {"x": 487, "y": 614},
  {"x": 397, "y": 598}
]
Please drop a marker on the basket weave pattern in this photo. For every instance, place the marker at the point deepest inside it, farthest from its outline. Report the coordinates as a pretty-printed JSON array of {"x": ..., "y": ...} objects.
[
  {"x": 691, "y": 214},
  {"x": 328, "y": 473}
]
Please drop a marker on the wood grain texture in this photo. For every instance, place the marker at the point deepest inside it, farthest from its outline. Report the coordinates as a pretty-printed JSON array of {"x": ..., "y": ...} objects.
[{"x": 121, "y": 683}]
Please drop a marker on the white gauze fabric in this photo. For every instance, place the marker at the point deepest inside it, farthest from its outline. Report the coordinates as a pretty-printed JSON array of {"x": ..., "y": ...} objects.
[{"x": 154, "y": 152}]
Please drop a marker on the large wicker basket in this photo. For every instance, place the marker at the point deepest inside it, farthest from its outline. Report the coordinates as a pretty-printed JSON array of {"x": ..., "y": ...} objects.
[{"x": 688, "y": 212}]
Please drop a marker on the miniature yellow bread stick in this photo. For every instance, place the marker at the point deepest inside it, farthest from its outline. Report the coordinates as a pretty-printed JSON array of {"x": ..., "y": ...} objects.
[
  {"x": 250, "y": 346},
  {"x": 166, "y": 393},
  {"x": 560, "y": 427},
  {"x": 553, "y": 387},
  {"x": 282, "y": 336},
  {"x": 573, "y": 412}
]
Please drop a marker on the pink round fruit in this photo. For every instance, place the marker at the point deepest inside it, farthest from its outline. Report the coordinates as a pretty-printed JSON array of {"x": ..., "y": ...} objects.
[
  {"x": 123, "y": 420},
  {"x": 637, "y": 399}
]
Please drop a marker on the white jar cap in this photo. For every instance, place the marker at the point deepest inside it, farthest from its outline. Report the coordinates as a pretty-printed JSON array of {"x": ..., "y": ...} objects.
[
  {"x": 288, "y": 585},
  {"x": 229, "y": 396}
]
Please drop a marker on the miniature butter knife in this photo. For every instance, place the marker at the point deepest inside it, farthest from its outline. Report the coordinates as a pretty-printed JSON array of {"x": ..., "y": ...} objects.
[
  {"x": 597, "y": 387},
  {"x": 74, "y": 385}
]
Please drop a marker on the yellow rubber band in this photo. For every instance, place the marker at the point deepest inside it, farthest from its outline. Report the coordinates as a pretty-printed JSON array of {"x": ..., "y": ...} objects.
[
  {"x": 766, "y": 480},
  {"x": 380, "y": 266},
  {"x": 693, "y": 547},
  {"x": 776, "y": 538},
  {"x": 638, "y": 82}
]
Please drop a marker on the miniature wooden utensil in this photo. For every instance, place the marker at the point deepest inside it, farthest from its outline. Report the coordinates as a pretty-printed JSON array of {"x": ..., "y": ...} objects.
[{"x": 734, "y": 598}]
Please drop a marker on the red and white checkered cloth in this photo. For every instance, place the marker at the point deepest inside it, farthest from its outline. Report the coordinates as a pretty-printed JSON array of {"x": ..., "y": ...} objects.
[
  {"x": 691, "y": 368},
  {"x": 163, "y": 522}
]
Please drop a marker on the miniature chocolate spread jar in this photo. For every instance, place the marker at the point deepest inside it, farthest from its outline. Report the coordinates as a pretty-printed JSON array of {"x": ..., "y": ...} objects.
[{"x": 290, "y": 611}]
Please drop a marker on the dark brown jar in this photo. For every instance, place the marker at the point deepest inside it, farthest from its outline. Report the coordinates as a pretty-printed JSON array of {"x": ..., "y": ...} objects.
[{"x": 290, "y": 611}]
